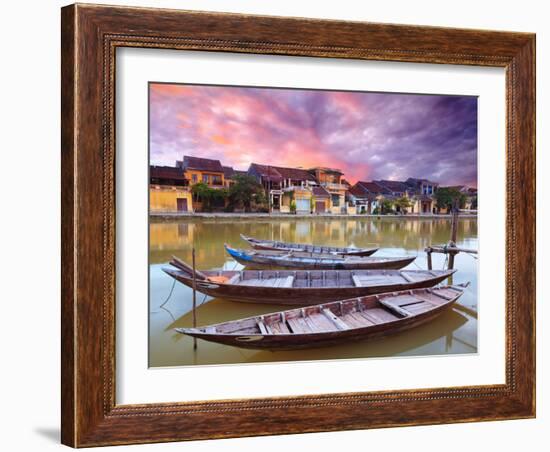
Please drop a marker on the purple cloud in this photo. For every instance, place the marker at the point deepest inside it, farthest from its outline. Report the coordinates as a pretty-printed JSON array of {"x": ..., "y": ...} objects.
[{"x": 366, "y": 135}]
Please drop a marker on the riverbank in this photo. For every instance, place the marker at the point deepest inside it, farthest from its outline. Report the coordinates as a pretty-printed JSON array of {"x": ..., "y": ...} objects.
[{"x": 176, "y": 216}]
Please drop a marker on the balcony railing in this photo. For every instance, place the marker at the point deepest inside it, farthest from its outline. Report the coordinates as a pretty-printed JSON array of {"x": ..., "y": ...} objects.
[{"x": 334, "y": 186}]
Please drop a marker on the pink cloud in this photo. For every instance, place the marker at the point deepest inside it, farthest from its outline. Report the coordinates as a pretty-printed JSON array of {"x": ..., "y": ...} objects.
[{"x": 366, "y": 135}]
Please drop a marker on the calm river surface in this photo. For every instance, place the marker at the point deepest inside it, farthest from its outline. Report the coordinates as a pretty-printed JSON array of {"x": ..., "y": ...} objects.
[{"x": 453, "y": 332}]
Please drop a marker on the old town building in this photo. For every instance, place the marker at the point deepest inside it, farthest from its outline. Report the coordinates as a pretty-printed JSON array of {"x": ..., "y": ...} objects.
[{"x": 169, "y": 190}]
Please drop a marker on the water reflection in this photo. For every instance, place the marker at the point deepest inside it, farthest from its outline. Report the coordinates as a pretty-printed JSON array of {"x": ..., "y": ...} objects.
[{"x": 453, "y": 332}]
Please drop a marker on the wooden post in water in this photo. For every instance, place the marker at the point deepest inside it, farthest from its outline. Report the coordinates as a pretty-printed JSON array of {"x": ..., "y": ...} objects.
[
  {"x": 429, "y": 255},
  {"x": 450, "y": 249},
  {"x": 451, "y": 260},
  {"x": 454, "y": 223},
  {"x": 454, "y": 229},
  {"x": 194, "y": 299}
]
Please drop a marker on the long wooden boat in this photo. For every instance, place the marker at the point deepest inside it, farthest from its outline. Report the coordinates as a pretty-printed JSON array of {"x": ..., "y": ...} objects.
[
  {"x": 291, "y": 259},
  {"x": 301, "y": 287},
  {"x": 332, "y": 323},
  {"x": 302, "y": 247}
]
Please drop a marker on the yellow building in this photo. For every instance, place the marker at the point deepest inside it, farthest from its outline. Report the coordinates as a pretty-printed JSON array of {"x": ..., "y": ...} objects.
[
  {"x": 169, "y": 190},
  {"x": 331, "y": 180},
  {"x": 207, "y": 171},
  {"x": 297, "y": 196},
  {"x": 321, "y": 200}
]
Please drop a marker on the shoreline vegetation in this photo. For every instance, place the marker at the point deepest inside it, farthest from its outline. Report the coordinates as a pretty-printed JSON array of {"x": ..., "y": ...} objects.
[{"x": 180, "y": 216}]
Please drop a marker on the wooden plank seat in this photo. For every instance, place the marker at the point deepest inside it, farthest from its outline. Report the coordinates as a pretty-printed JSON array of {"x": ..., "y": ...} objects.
[
  {"x": 379, "y": 315},
  {"x": 395, "y": 308},
  {"x": 286, "y": 281},
  {"x": 320, "y": 323},
  {"x": 401, "y": 301},
  {"x": 356, "y": 321},
  {"x": 419, "y": 308},
  {"x": 298, "y": 325},
  {"x": 406, "y": 304},
  {"x": 340, "y": 324},
  {"x": 377, "y": 279},
  {"x": 234, "y": 279},
  {"x": 279, "y": 328}
]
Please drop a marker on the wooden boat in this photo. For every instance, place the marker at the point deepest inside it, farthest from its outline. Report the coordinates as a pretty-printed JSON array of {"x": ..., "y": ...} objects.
[
  {"x": 291, "y": 259},
  {"x": 301, "y": 247},
  {"x": 332, "y": 323},
  {"x": 301, "y": 287}
]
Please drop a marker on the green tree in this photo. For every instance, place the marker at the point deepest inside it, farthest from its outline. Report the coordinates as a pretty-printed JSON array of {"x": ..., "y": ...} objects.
[
  {"x": 403, "y": 203},
  {"x": 293, "y": 206},
  {"x": 204, "y": 194},
  {"x": 245, "y": 190},
  {"x": 218, "y": 196},
  {"x": 386, "y": 206},
  {"x": 208, "y": 196},
  {"x": 446, "y": 196}
]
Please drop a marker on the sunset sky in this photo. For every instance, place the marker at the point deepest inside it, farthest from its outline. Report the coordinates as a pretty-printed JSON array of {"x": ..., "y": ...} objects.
[{"x": 366, "y": 135}]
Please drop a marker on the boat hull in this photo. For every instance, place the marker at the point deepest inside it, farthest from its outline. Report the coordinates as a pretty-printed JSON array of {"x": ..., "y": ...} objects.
[
  {"x": 277, "y": 260},
  {"x": 268, "y": 245},
  {"x": 293, "y": 341},
  {"x": 293, "y": 296}
]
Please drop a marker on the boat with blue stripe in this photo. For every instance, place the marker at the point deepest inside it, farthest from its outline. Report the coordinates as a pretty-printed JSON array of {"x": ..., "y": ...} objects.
[{"x": 306, "y": 260}]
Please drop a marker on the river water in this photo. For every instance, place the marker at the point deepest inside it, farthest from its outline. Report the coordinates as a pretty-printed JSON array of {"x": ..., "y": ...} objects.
[{"x": 454, "y": 332}]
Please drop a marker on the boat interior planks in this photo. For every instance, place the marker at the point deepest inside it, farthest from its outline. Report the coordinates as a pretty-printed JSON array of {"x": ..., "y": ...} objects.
[
  {"x": 334, "y": 322},
  {"x": 303, "y": 287}
]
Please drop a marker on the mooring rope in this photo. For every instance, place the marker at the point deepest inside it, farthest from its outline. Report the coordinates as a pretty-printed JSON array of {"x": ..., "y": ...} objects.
[
  {"x": 415, "y": 263},
  {"x": 170, "y": 294}
]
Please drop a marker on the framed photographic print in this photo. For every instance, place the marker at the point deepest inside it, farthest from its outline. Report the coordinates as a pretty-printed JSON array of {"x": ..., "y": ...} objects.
[{"x": 278, "y": 225}]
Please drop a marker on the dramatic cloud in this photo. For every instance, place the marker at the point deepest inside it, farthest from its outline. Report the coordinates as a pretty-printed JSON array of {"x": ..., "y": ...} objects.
[{"x": 366, "y": 135}]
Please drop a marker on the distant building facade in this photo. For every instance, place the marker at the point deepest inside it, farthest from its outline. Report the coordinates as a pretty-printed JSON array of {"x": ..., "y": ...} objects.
[
  {"x": 318, "y": 190},
  {"x": 207, "y": 171},
  {"x": 229, "y": 175},
  {"x": 367, "y": 196},
  {"x": 331, "y": 180},
  {"x": 423, "y": 192},
  {"x": 470, "y": 196},
  {"x": 419, "y": 194},
  {"x": 169, "y": 190},
  {"x": 285, "y": 187},
  {"x": 321, "y": 200}
]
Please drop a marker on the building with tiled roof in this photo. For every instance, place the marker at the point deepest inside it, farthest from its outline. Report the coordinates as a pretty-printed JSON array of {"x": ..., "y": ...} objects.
[
  {"x": 207, "y": 171},
  {"x": 331, "y": 179},
  {"x": 371, "y": 188},
  {"x": 285, "y": 187},
  {"x": 167, "y": 175},
  {"x": 169, "y": 190},
  {"x": 397, "y": 188},
  {"x": 366, "y": 196},
  {"x": 321, "y": 199},
  {"x": 202, "y": 164},
  {"x": 229, "y": 174}
]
